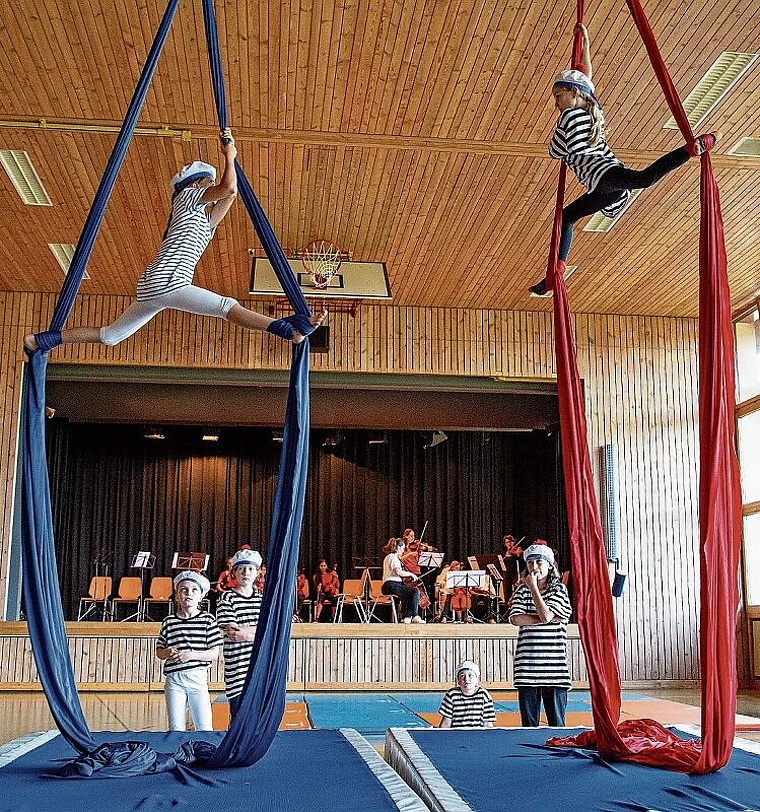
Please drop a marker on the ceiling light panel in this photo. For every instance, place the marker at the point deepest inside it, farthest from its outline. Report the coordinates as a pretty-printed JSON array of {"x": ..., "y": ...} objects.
[
  {"x": 64, "y": 252},
  {"x": 601, "y": 224},
  {"x": 722, "y": 75},
  {"x": 24, "y": 177},
  {"x": 747, "y": 147}
]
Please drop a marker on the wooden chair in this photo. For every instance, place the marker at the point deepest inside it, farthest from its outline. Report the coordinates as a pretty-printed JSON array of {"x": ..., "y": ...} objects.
[
  {"x": 130, "y": 591},
  {"x": 97, "y": 595},
  {"x": 379, "y": 600},
  {"x": 352, "y": 595},
  {"x": 161, "y": 592}
]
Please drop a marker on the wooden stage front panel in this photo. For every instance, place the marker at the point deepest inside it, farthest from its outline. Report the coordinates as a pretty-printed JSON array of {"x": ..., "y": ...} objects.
[{"x": 347, "y": 656}]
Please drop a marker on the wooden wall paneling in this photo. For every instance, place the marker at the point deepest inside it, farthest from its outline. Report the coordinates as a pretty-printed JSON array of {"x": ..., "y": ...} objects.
[{"x": 640, "y": 384}]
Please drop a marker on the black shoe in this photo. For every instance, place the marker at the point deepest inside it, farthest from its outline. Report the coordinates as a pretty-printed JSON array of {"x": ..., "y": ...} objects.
[{"x": 540, "y": 289}]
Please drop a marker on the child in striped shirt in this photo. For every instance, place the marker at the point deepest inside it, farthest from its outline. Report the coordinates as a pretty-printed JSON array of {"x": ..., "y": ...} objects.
[
  {"x": 188, "y": 643},
  {"x": 541, "y": 608},
  {"x": 238, "y": 615},
  {"x": 467, "y": 704},
  {"x": 579, "y": 141},
  {"x": 199, "y": 204}
]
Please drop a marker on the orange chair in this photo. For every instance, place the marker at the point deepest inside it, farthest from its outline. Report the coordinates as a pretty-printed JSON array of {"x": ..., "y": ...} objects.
[
  {"x": 378, "y": 599},
  {"x": 352, "y": 594},
  {"x": 97, "y": 596},
  {"x": 130, "y": 591},
  {"x": 161, "y": 591}
]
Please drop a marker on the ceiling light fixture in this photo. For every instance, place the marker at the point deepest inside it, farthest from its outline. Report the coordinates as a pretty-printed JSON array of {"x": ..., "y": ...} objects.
[
  {"x": 64, "y": 253},
  {"x": 24, "y": 177},
  {"x": 720, "y": 77}
]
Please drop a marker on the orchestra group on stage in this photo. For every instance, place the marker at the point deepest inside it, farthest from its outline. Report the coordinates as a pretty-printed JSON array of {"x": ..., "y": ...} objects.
[{"x": 427, "y": 588}]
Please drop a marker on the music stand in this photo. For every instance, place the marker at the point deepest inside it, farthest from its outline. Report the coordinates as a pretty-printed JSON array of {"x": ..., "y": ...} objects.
[
  {"x": 142, "y": 561},
  {"x": 488, "y": 562},
  {"x": 198, "y": 562},
  {"x": 430, "y": 559},
  {"x": 467, "y": 579}
]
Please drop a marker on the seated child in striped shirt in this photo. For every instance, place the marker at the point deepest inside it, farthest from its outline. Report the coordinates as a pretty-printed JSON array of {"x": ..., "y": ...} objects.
[
  {"x": 188, "y": 643},
  {"x": 579, "y": 141},
  {"x": 198, "y": 205},
  {"x": 467, "y": 704}
]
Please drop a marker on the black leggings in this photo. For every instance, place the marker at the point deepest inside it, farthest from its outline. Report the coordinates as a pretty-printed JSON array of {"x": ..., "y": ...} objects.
[{"x": 614, "y": 181}]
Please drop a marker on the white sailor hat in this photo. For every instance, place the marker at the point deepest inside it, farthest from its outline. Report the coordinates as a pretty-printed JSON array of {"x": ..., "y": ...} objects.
[
  {"x": 251, "y": 557},
  {"x": 576, "y": 79},
  {"x": 540, "y": 550},
  {"x": 190, "y": 575},
  {"x": 468, "y": 665},
  {"x": 192, "y": 172}
]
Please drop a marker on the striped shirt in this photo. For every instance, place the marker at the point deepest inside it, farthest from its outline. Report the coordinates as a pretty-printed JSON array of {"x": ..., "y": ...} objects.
[
  {"x": 199, "y": 633},
  {"x": 187, "y": 237},
  {"x": 541, "y": 655},
  {"x": 570, "y": 144},
  {"x": 467, "y": 711},
  {"x": 236, "y": 608}
]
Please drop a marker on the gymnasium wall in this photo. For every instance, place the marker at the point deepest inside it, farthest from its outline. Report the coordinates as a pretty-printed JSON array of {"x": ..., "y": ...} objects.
[{"x": 640, "y": 377}]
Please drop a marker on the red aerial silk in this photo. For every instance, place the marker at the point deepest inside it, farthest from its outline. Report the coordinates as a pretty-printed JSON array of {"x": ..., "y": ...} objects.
[{"x": 645, "y": 741}]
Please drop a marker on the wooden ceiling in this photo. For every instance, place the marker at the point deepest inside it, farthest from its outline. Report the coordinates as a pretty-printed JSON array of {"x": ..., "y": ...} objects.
[{"x": 412, "y": 132}]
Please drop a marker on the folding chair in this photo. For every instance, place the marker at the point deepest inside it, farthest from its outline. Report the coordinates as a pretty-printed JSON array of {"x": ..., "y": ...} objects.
[
  {"x": 352, "y": 595},
  {"x": 377, "y": 599},
  {"x": 97, "y": 596},
  {"x": 161, "y": 591},
  {"x": 130, "y": 591}
]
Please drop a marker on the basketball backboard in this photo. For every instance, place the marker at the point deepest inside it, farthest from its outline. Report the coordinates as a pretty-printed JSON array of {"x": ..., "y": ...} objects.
[{"x": 354, "y": 280}]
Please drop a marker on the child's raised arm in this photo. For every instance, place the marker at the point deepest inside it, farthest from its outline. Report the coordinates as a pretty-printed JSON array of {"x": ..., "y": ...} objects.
[{"x": 585, "y": 64}]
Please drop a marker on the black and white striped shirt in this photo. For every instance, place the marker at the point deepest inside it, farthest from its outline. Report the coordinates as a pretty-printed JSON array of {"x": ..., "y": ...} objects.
[
  {"x": 199, "y": 633},
  {"x": 570, "y": 144},
  {"x": 188, "y": 236},
  {"x": 467, "y": 711},
  {"x": 541, "y": 655},
  {"x": 236, "y": 608}
]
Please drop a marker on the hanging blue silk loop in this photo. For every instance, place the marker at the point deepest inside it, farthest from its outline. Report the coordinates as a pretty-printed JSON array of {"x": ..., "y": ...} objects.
[{"x": 263, "y": 699}]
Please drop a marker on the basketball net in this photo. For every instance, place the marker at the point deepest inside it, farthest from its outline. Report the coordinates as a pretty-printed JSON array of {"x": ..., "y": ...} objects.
[{"x": 321, "y": 259}]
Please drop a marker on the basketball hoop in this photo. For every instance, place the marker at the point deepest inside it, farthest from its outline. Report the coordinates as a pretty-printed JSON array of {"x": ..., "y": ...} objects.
[{"x": 321, "y": 259}]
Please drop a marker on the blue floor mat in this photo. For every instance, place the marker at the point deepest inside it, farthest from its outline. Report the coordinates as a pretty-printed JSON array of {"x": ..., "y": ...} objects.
[{"x": 369, "y": 714}]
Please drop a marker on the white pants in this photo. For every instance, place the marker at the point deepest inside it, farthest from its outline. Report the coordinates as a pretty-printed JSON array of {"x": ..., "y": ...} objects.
[
  {"x": 189, "y": 298},
  {"x": 185, "y": 689}
]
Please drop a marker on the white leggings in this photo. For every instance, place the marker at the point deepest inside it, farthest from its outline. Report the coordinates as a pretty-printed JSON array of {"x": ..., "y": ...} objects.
[
  {"x": 188, "y": 688},
  {"x": 189, "y": 298}
]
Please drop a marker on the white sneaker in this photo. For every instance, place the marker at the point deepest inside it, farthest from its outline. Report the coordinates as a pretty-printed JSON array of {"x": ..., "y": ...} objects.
[
  {"x": 418, "y": 619},
  {"x": 407, "y": 620}
]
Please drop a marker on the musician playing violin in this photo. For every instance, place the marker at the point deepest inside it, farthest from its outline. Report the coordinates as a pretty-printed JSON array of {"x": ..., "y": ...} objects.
[{"x": 394, "y": 573}]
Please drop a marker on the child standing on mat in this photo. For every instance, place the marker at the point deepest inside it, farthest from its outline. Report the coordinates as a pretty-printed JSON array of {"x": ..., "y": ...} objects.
[
  {"x": 579, "y": 141},
  {"x": 188, "y": 643},
  {"x": 467, "y": 704},
  {"x": 238, "y": 615},
  {"x": 541, "y": 608},
  {"x": 199, "y": 204}
]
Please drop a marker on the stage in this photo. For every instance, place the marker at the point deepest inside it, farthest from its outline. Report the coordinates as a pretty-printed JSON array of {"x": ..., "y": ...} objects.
[{"x": 323, "y": 656}]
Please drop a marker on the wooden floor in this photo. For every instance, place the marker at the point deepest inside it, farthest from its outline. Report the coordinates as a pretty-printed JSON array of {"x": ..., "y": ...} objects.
[{"x": 27, "y": 712}]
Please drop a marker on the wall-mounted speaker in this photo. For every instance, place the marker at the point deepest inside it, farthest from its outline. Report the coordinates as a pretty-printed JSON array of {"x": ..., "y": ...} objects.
[{"x": 609, "y": 500}]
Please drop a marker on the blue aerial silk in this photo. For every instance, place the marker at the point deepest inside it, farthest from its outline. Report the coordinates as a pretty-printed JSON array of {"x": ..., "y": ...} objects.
[{"x": 263, "y": 698}]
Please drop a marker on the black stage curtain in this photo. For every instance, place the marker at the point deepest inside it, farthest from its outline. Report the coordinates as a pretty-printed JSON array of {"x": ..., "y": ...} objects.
[{"x": 115, "y": 492}]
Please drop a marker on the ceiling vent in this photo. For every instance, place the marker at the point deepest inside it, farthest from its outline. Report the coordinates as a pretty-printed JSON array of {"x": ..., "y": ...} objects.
[
  {"x": 601, "y": 224},
  {"x": 24, "y": 177},
  {"x": 64, "y": 253},
  {"x": 747, "y": 147},
  {"x": 723, "y": 74}
]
